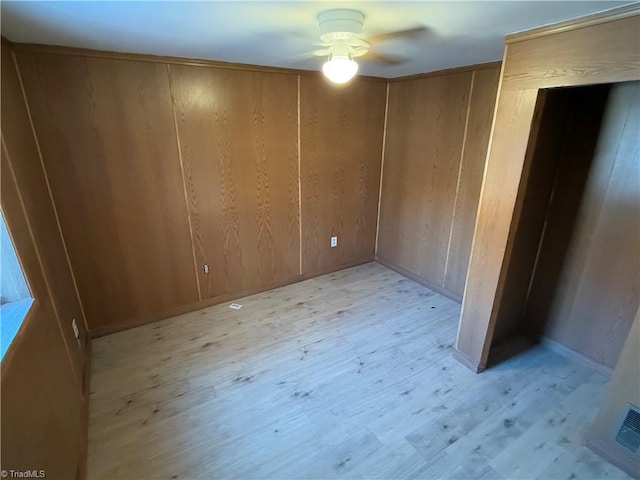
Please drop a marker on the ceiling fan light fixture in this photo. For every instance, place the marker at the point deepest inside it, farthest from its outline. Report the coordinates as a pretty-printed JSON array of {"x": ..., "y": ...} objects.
[{"x": 340, "y": 68}]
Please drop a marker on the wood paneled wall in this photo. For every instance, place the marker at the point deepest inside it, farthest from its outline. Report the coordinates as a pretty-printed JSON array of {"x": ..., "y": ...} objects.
[
  {"x": 585, "y": 289},
  {"x": 160, "y": 170},
  {"x": 43, "y": 370},
  {"x": 341, "y": 136},
  {"x": 624, "y": 388},
  {"x": 26, "y": 166},
  {"x": 597, "y": 50},
  {"x": 436, "y": 140},
  {"x": 108, "y": 142},
  {"x": 238, "y": 142}
]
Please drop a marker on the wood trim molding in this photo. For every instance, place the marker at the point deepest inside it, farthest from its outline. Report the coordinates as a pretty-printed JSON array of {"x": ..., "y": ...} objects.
[
  {"x": 217, "y": 300},
  {"x": 577, "y": 357},
  {"x": 198, "y": 62},
  {"x": 84, "y": 422},
  {"x": 184, "y": 182},
  {"x": 139, "y": 57},
  {"x": 615, "y": 457},
  {"x": 384, "y": 146},
  {"x": 447, "y": 71},
  {"x": 472, "y": 365},
  {"x": 418, "y": 279},
  {"x": 597, "y": 18},
  {"x": 108, "y": 329},
  {"x": 336, "y": 268}
]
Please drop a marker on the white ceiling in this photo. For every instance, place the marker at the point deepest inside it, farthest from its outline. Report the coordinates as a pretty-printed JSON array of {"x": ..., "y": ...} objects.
[{"x": 276, "y": 33}]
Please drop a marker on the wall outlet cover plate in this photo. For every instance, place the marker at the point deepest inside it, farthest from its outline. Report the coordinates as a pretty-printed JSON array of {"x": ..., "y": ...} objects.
[{"x": 235, "y": 306}]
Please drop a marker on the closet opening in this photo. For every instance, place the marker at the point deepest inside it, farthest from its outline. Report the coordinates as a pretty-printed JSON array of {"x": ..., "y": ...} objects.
[{"x": 573, "y": 257}]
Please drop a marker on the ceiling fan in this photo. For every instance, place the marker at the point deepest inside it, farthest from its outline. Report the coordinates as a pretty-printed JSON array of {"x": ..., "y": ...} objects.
[{"x": 342, "y": 42}]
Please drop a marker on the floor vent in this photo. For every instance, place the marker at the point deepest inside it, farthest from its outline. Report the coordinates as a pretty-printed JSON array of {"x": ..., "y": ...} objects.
[{"x": 629, "y": 432}]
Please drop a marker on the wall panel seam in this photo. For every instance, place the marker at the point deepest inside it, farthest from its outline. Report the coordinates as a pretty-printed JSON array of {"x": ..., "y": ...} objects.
[
  {"x": 457, "y": 195},
  {"x": 184, "y": 182},
  {"x": 54, "y": 307},
  {"x": 482, "y": 187},
  {"x": 299, "y": 182},
  {"x": 384, "y": 144},
  {"x": 50, "y": 192}
]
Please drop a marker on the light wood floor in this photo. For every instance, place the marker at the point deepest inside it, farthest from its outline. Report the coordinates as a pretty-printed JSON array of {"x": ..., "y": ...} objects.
[{"x": 349, "y": 375}]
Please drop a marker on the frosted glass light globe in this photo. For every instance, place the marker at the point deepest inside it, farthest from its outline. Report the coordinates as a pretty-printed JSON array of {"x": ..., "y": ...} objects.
[{"x": 340, "y": 69}]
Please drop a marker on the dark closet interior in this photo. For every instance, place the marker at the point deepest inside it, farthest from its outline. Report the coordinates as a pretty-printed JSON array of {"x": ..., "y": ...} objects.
[{"x": 573, "y": 278}]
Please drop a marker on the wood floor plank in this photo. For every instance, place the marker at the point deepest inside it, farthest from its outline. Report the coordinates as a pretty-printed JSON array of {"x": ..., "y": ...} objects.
[{"x": 349, "y": 375}]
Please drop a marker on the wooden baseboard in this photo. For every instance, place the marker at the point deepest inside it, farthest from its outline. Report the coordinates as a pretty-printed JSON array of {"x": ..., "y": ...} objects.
[
  {"x": 108, "y": 329},
  {"x": 468, "y": 362},
  {"x": 418, "y": 279},
  {"x": 627, "y": 463},
  {"x": 337, "y": 268},
  {"x": 578, "y": 357},
  {"x": 103, "y": 330},
  {"x": 84, "y": 421}
]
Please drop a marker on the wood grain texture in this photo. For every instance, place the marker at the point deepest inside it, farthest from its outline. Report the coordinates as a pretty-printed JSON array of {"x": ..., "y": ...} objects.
[
  {"x": 623, "y": 389},
  {"x": 581, "y": 296},
  {"x": 238, "y": 140},
  {"x": 601, "y": 17},
  {"x": 601, "y": 53},
  {"x": 166, "y": 60},
  {"x": 509, "y": 139},
  {"x": 547, "y": 139},
  {"x": 449, "y": 71},
  {"x": 40, "y": 395},
  {"x": 341, "y": 133},
  {"x": 348, "y": 375},
  {"x": 480, "y": 116},
  {"x": 40, "y": 402},
  {"x": 109, "y": 147},
  {"x": 26, "y": 165},
  {"x": 607, "y": 52},
  {"x": 425, "y": 133}
]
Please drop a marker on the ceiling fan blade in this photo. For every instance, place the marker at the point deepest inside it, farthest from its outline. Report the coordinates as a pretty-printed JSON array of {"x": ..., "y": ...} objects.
[
  {"x": 385, "y": 58},
  {"x": 301, "y": 57},
  {"x": 408, "y": 33}
]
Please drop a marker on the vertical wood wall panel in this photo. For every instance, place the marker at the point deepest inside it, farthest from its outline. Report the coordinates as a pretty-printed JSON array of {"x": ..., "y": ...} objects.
[
  {"x": 238, "y": 140},
  {"x": 341, "y": 131},
  {"x": 41, "y": 378},
  {"x": 109, "y": 147},
  {"x": 429, "y": 198},
  {"x": 27, "y": 168},
  {"x": 481, "y": 108},
  {"x": 425, "y": 130}
]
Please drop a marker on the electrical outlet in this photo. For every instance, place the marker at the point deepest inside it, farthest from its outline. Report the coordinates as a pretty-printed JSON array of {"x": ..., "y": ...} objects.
[
  {"x": 74, "y": 325},
  {"x": 206, "y": 269},
  {"x": 334, "y": 242}
]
